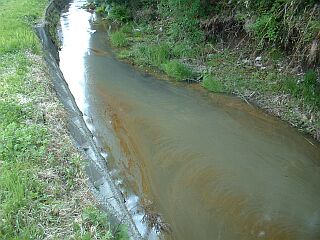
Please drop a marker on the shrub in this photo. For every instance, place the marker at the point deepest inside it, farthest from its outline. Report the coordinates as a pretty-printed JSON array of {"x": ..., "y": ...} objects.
[
  {"x": 184, "y": 17},
  {"x": 119, "y": 13}
]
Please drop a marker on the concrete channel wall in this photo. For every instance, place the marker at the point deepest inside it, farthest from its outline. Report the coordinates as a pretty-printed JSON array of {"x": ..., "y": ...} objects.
[{"x": 100, "y": 180}]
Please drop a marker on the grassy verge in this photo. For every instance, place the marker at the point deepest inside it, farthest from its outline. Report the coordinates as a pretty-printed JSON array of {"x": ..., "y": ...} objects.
[
  {"x": 43, "y": 189},
  {"x": 264, "y": 80}
]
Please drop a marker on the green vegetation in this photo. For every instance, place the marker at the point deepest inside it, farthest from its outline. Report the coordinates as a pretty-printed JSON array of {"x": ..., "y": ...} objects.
[
  {"x": 212, "y": 84},
  {"x": 118, "y": 39},
  {"x": 43, "y": 191},
  {"x": 94, "y": 224},
  {"x": 155, "y": 54},
  {"x": 177, "y": 70},
  {"x": 119, "y": 13},
  {"x": 16, "y": 25}
]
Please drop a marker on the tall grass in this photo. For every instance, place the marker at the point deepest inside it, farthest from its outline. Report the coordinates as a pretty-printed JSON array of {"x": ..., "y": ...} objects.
[
  {"x": 118, "y": 39},
  {"x": 153, "y": 54},
  {"x": 177, "y": 70},
  {"x": 213, "y": 84}
]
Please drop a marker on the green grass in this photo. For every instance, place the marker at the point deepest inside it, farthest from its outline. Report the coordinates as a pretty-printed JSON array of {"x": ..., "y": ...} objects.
[
  {"x": 306, "y": 88},
  {"x": 94, "y": 223},
  {"x": 213, "y": 84},
  {"x": 311, "y": 88},
  {"x": 152, "y": 54},
  {"x": 157, "y": 54},
  {"x": 242, "y": 77},
  {"x": 177, "y": 70},
  {"x": 185, "y": 49},
  {"x": 118, "y": 39},
  {"x": 16, "y": 29},
  {"x": 42, "y": 181}
]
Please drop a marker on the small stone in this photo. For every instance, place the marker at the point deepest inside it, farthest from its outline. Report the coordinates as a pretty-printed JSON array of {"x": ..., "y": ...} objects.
[{"x": 261, "y": 234}]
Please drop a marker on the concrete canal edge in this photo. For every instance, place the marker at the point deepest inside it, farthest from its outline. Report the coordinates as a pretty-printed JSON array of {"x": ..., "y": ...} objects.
[{"x": 100, "y": 181}]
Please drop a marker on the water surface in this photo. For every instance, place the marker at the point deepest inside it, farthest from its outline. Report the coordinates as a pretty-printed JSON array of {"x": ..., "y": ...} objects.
[{"x": 213, "y": 166}]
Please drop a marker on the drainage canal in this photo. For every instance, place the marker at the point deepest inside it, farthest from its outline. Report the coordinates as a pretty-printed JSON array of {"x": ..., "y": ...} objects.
[{"x": 212, "y": 166}]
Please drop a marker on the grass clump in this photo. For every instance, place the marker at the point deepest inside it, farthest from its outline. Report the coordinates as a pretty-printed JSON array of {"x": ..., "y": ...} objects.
[
  {"x": 212, "y": 84},
  {"x": 185, "y": 49},
  {"x": 118, "y": 39},
  {"x": 93, "y": 224},
  {"x": 177, "y": 70},
  {"x": 158, "y": 54},
  {"x": 306, "y": 88},
  {"x": 153, "y": 54},
  {"x": 311, "y": 88}
]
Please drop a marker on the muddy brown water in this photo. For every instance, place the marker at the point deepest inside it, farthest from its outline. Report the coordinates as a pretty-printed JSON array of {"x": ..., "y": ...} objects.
[{"x": 212, "y": 166}]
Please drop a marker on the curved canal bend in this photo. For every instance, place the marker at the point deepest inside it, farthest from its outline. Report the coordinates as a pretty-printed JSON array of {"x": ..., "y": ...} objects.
[{"x": 214, "y": 167}]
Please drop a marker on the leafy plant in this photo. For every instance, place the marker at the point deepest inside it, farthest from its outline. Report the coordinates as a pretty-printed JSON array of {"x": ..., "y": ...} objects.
[
  {"x": 265, "y": 29},
  {"x": 185, "y": 19},
  {"x": 119, "y": 13}
]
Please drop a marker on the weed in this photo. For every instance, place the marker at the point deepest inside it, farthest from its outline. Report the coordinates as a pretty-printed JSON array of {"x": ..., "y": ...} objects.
[
  {"x": 101, "y": 9},
  {"x": 307, "y": 88},
  {"x": 155, "y": 54},
  {"x": 127, "y": 28},
  {"x": 177, "y": 70},
  {"x": 125, "y": 54},
  {"x": 93, "y": 223},
  {"x": 290, "y": 85},
  {"x": 265, "y": 29},
  {"x": 311, "y": 88},
  {"x": 11, "y": 112},
  {"x": 118, "y": 39},
  {"x": 212, "y": 84},
  {"x": 276, "y": 55},
  {"x": 122, "y": 233},
  {"x": 185, "y": 49}
]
